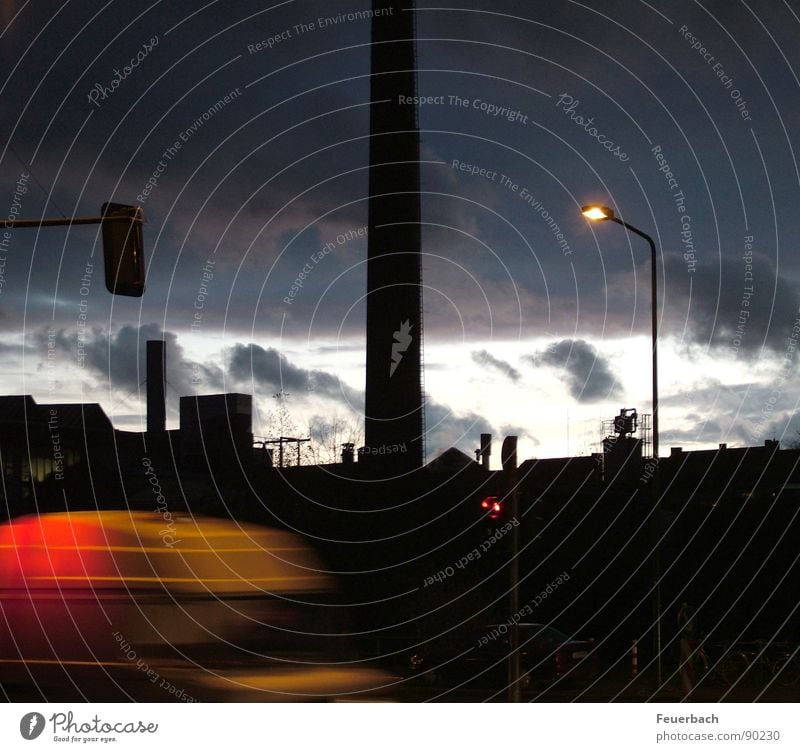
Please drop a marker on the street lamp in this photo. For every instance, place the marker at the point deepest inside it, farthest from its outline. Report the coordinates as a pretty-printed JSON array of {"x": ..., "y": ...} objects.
[{"x": 599, "y": 213}]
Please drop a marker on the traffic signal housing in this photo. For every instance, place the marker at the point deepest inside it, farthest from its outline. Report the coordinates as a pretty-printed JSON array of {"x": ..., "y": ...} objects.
[{"x": 123, "y": 249}]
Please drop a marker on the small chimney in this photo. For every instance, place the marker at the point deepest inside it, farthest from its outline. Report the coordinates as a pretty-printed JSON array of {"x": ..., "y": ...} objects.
[
  {"x": 348, "y": 453},
  {"x": 508, "y": 453},
  {"x": 486, "y": 449},
  {"x": 156, "y": 403}
]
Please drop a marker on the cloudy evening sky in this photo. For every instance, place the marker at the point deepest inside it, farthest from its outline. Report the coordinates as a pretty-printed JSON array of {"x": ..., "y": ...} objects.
[{"x": 242, "y": 129}]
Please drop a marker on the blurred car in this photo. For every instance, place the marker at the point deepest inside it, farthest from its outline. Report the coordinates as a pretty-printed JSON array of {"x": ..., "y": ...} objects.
[
  {"x": 115, "y": 606},
  {"x": 479, "y": 659}
]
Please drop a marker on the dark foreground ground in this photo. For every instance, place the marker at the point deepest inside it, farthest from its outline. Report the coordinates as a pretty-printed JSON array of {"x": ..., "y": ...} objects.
[{"x": 613, "y": 686}]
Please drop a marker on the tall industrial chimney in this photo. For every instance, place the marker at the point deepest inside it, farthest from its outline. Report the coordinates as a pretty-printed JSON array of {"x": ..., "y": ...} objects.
[
  {"x": 394, "y": 428},
  {"x": 156, "y": 404}
]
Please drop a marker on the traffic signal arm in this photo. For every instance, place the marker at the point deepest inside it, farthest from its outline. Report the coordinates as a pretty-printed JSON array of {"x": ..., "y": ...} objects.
[{"x": 123, "y": 248}]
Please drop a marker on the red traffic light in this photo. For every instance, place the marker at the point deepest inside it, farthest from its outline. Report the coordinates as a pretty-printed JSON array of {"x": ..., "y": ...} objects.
[{"x": 493, "y": 507}]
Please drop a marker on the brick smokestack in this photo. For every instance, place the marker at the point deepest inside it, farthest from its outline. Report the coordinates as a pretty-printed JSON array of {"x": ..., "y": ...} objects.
[{"x": 394, "y": 421}]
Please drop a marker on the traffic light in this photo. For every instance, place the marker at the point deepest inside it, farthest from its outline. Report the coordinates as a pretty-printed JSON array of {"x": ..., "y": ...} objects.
[
  {"x": 123, "y": 251},
  {"x": 493, "y": 507}
]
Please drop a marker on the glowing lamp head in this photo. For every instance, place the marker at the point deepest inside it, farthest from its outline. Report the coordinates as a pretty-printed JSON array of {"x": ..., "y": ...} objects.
[
  {"x": 493, "y": 507},
  {"x": 597, "y": 213}
]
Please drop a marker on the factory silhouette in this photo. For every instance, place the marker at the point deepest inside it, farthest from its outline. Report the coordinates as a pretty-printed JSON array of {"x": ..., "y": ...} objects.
[{"x": 393, "y": 525}]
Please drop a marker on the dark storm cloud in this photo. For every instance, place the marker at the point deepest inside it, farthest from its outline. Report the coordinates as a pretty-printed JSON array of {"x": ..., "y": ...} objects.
[
  {"x": 447, "y": 428},
  {"x": 519, "y": 432},
  {"x": 120, "y": 359},
  {"x": 485, "y": 358},
  {"x": 786, "y": 431},
  {"x": 742, "y": 304},
  {"x": 738, "y": 414},
  {"x": 703, "y": 431},
  {"x": 268, "y": 367},
  {"x": 587, "y": 373},
  {"x": 8, "y": 348}
]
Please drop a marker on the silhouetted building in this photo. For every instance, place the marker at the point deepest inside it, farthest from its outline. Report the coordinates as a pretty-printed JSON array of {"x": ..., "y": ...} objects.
[
  {"x": 47, "y": 450},
  {"x": 217, "y": 431}
]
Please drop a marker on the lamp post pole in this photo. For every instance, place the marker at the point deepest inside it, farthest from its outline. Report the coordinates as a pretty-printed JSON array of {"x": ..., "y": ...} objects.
[
  {"x": 654, "y": 322},
  {"x": 600, "y": 213}
]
